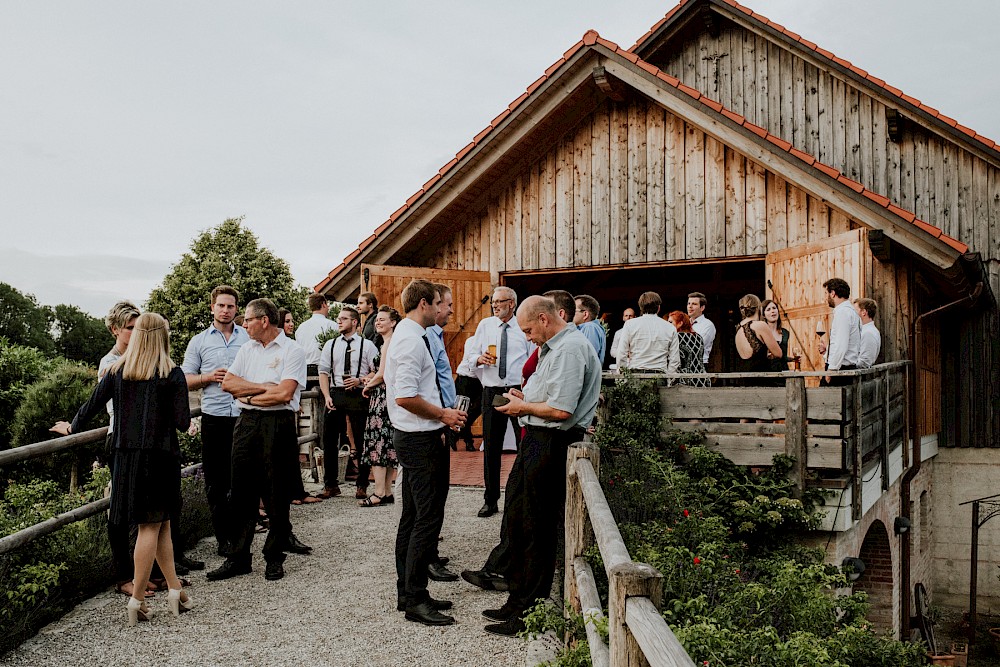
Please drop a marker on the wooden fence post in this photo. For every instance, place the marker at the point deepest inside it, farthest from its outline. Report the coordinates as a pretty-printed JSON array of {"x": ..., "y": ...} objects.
[
  {"x": 795, "y": 431},
  {"x": 624, "y": 581},
  {"x": 856, "y": 464},
  {"x": 579, "y": 534},
  {"x": 318, "y": 424}
]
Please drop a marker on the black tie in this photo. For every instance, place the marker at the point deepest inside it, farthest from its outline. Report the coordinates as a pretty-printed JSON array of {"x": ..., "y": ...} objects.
[
  {"x": 503, "y": 350},
  {"x": 437, "y": 380},
  {"x": 347, "y": 357}
]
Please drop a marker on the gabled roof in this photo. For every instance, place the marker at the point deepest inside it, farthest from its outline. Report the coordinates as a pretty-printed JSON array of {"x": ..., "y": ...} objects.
[
  {"x": 682, "y": 11},
  {"x": 593, "y": 42}
]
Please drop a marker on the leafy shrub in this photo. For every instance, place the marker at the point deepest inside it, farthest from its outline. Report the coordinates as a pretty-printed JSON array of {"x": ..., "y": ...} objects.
[{"x": 19, "y": 368}]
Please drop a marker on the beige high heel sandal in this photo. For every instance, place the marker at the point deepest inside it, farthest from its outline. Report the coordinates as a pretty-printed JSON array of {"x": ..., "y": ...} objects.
[
  {"x": 176, "y": 604},
  {"x": 137, "y": 611}
]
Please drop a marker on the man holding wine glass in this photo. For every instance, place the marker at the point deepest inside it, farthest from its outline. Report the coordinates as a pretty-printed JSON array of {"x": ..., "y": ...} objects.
[{"x": 845, "y": 332}]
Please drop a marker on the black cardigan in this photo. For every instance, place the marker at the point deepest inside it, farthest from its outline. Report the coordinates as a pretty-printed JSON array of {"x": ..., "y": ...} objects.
[{"x": 148, "y": 413}]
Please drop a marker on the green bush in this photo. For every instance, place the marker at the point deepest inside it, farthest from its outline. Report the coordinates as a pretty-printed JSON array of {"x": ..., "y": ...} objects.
[{"x": 20, "y": 367}]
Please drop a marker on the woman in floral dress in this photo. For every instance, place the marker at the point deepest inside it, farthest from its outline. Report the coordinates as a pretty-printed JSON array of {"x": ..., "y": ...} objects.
[
  {"x": 692, "y": 349},
  {"x": 378, "y": 449}
]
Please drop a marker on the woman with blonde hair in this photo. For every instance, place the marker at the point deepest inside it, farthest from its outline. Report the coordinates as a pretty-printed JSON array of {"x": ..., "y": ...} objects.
[
  {"x": 150, "y": 399},
  {"x": 755, "y": 344}
]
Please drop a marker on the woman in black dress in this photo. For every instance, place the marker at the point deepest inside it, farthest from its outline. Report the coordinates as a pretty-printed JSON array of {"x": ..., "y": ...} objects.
[
  {"x": 150, "y": 399},
  {"x": 755, "y": 344}
]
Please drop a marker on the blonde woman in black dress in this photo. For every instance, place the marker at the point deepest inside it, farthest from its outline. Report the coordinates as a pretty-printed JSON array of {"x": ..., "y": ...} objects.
[
  {"x": 755, "y": 344},
  {"x": 150, "y": 399}
]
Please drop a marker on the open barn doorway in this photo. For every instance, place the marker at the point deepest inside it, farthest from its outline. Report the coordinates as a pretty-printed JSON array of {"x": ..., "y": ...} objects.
[{"x": 619, "y": 287}]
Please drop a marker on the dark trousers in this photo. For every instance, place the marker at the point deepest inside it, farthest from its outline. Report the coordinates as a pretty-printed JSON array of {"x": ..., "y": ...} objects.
[
  {"x": 494, "y": 429},
  {"x": 260, "y": 464},
  {"x": 422, "y": 511},
  {"x": 443, "y": 469},
  {"x": 840, "y": 380},
  {"x": 534, "y": 513},
  {"x": 499, "y": 559},
  {"x": 335, "y": 434},
  {"x": 473, "y": 388},
  {"x": 217, "y": 465}
]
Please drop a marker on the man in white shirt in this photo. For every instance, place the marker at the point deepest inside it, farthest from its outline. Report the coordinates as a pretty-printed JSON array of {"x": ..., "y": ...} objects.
[
  {"x": 616, "y": 339},
  {"x": 649, "y": 344},
  {"x": 845, "y": 332},
  {"x": 267, "y": 376},
  {"x": 871, "y": 339},
  {"x": 415, "y": 406},
  {"x": 307, "y": 332},
  {"x": 501, "y": 350},
  {"x": 702, "y": 326},
  {"x": 343, "y": 364}
]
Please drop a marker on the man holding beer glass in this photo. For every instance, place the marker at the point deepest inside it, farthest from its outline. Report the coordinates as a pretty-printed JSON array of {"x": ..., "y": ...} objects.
[{"x": 501, "y": 349}]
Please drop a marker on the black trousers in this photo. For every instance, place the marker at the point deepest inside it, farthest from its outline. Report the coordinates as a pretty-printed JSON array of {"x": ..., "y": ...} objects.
[
  {"x": 534, "y": 512},
  {"x": 840, "y": 380},
  {"x": 473, "y": 388},
  {"x": 494, "y": 429},
  {"x": 260, "y": 471},
  {"x": 334, "y": 435},
  {"x": 422, "y": 510},
  {"x": 217, "y": 465}
]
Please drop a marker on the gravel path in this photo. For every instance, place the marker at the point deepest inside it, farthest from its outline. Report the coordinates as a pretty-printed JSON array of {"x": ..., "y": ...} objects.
[{"x": 334, "y": 607}]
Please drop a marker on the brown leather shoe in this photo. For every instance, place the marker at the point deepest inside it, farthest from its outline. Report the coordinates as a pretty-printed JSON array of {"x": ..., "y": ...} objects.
[
  {"x": 361, "y": 492},
  {"x": 329, "y": 492}
]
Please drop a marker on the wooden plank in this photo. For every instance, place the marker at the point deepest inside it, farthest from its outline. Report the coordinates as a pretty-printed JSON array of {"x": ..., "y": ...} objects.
[
  {"x": 497, "y": 234},
  {"x": 762, "y": 83},
  {"x": 578, "y": 535},
  {"x": 838, "y": 151},
  {"x": 582, "y": 194},
  {"x": 600, "y": 168},
  {"x": 981, "y": 211},
  {"x": 935, "y": 180},
  {"x": 798, "y": 216},
  {"x": 774, "y": 88},
  {"x": 752, "y": 428},
  {"x": 947, "y": 180},
  {"x": 751, "y": 451},
  {"x": 653, "y": 635},
  {"x": 907, "y": 172},
  {"x": 618, "y": 196},
  {"x": 839, "y": 223},
  {"x": 529, "y": 233},
  {"x": 694, "y": 179},
  {"x": 989, "y": 243},
  {"x": 485, "y": 242},
  {"x": 853, "y": 135},
  {"x": 564, "y": 203},
  {"x": 892, "y": 165},
  {"x": 715, "y": 198},
  {"x": 795, "y": 434},
  {"x": 819, "y": 219},
  {"x": 866, "y": 133},
  {"x": 811, "y": 75},
  {"x": 705, "y": 83},
  {"x": 777, "y": 219},
  {"x": 674, "y": 204},
  {"x": 965, "y": 212},
  {"x": 637, "y": 182},
  {"x": 824, "y": 117},
  {"x": 724, "y": 66},
  {"x": 921, "y": 190},
  {"x": 799, "y": 128},
  {"x": 756, "y": 209},
  {"x": 787, "y": 99},
  {"x": 750, "y": 77},
  {"x": 547, "y": 213},
  {"x": 879, "y": 157},
  {"x": 736, "y": 54},
  {"x": 515, "y": 223},
  {"x": 736, "y": 214},
  {"x": 655, "y": 166}
]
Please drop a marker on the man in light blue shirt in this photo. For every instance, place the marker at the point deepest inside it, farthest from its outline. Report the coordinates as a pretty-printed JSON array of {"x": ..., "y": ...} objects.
[
  {"x": 209, "y": 355},
  {"x": 588, "y": 312}
]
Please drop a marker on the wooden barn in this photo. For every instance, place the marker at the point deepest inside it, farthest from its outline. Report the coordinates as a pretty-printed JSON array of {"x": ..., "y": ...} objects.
[{"x": 723, "y": 153}]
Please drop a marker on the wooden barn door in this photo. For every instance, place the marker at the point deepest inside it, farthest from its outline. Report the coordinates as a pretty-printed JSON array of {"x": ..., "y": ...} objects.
[
  {"x": 796, "y": 275},
  {"x": 470, "y": 290}
]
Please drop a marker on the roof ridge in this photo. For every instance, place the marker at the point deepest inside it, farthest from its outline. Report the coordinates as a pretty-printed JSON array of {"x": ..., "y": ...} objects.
[
  {"x": 592, "y": 38},
  {"x": 892, "y": 90}
]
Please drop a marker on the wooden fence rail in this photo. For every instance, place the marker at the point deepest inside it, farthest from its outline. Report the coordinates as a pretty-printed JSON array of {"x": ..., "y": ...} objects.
[
  {"x": 27, "y": 535},
  {"x": 637, "y": 633}
]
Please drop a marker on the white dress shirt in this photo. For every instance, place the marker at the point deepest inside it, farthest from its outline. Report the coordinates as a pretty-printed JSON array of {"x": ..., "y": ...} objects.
[
  {"x": 281, "y": 360},
  {"x": 614, "y": 343},
  {"x": 518, "y": 350},
  {"x": 845, "y": 337},
  {"x": 705, "y": 328},
  {"x": 410, "y": 372},
  {"x": 649, "y": 343},
  {"x": 468, "y": 366},
  {"x": 363, "y": 352},
  {"x": 306, "y": 334},
  {"x": 871, "y": 343}
]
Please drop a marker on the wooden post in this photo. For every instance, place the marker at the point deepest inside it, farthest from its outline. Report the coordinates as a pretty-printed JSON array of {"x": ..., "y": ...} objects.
[
  {"x": 857, "y": 477},
  {"x": 886, "y": 398},
  {"x": 74, "y": 478},
  {"x": 627, "y": 580},
  {"x": 795, "y": 431},
  {"x": 579, "y": 534},
  {"x": 318, "y": 424}
]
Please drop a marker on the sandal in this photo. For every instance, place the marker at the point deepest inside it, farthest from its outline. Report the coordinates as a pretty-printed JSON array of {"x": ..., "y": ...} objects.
[
  {"x": 296, "y": 502},
  {"x": 370, "y": 502},
  {"x": 309, "y": 500},
  {"x": 120, "y": 588}
]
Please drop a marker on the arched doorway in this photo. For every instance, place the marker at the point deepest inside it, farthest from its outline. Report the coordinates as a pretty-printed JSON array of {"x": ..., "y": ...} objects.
[{"x": 876, "y": 580}]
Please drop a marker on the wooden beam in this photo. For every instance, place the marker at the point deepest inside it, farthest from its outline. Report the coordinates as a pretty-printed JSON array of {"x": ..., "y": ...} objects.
[{"x": 795, "y": 434}]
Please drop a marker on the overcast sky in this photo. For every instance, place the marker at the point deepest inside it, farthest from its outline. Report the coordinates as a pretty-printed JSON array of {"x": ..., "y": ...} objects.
[{"x": 126, "y": 128}]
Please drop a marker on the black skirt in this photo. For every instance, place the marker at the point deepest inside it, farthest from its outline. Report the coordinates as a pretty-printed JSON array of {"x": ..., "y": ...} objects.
[{"x": 145, "y": 486}]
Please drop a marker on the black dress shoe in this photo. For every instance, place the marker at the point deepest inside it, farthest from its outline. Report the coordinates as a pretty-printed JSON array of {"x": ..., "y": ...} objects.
[
  {"x": 426, "y": 614},
  {"x": 443, "y": 560},
  {"x": 508, "y": 628},
  {"x": 439, "y": 572},
  {"x": 502, "y": 614},
  {"x": 229, "y": 569},
  {"x": 295, "y": 546},
  {"x": 481, "y": 578},
  {"x": 437, "y": 605},
  {"x": 487, "y": 510},
  {"x": 190, "y": 563},
  {"x": 180, "y": 570},
  {"x": 274, "y": 571}
]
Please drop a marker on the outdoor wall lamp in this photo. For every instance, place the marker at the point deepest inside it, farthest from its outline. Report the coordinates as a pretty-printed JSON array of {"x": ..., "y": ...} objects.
[
  {"x": 854, "y": 567},
  {"x": 901, "y": 525}
]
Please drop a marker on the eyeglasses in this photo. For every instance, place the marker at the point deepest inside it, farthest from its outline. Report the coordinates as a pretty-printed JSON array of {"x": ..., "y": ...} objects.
[
  {"x": 251, "y": 319},
  {"x": 499, "y": 301}
]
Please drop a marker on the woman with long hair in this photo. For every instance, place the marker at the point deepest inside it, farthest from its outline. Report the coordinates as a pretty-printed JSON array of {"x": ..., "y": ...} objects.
[
  {"x": 378, "y": 449},
  {"x": 287, "y": 322},
  {"x": 755, "y": 344},
  {"x": 150, "y": 399},
  {"x": 772, "y": 315},
  {"x": 692, "y": 349}
]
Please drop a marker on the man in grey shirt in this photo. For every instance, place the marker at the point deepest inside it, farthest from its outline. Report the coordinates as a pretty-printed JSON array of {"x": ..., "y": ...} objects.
[{"x": 556, "y": 407}]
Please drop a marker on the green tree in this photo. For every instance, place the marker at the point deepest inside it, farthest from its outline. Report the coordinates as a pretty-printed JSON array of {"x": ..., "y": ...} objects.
[
  {"x": 23, "y": 321},
  {"x": 81, "y": 337},
  {"x": 228, "y": 254},
  {"x": 20, "y": 367}
]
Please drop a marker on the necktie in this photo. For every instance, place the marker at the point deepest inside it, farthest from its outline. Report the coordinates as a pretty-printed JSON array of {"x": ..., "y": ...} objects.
[
  {"x": 347, "y": 357},
  {"x": 437, "y": 380},
  {"x": 503, "y": 350}
]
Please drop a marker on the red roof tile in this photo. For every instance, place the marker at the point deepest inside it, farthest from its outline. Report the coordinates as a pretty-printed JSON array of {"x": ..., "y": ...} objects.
[
  {"x": 573, "y": 49},
  {"x": 955, "y": 243},
  {"x": 606, "y": 44},
  {"x": 877, "y": 198},
  {"x": 689, "y": 90},
  {"x": 367, "y": 242},
  {"x": 756, "y": 129},
  {"x": 434, "y": 179},
  {"x": 711, "y": 103},
  {"x": 590, "y": 38},
  {"x": 482, "y": 135},
  {"x": 465, "y": 151},
  {"x": 902, "y": 212},
  {"x": 398, "y": 212},
  {"x": 805, "y": 157},
  {"x": 384, "y": 226},
  {"x": 513, "y": 105},
  {"x": 414, "y": 197},
  {"x": 539, "y": 81},
  {"x": 652, "y": 69},
  {"x": 779, "y": 142},
  {"x": 827, "y": 169},
  {"x": 852, "y": 184},
  {"x": 930, "y": 229},
  {"x": 556, "y": 65},
  {"x": 349, "y": 258},
  {"x": 499, "y": 119},
  {"x": 733, "y": 116}
]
